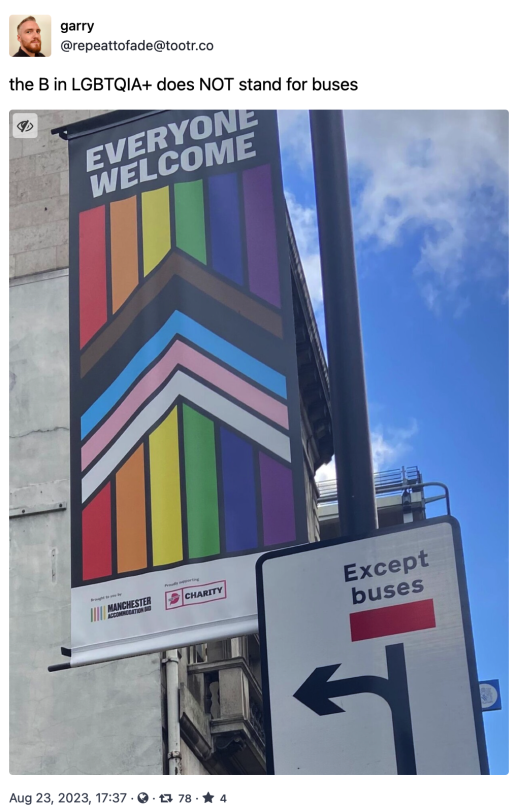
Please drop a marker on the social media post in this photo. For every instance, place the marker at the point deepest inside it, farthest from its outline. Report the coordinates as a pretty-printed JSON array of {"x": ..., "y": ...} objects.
[
  {"x": 217, "y": 250},
  {"x": 155, "y": 55}
]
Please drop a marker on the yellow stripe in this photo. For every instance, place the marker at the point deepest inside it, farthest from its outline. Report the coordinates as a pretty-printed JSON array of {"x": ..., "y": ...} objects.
[
  {"x": 165, "y": 492},
  {"x": 156, "y": 227}
]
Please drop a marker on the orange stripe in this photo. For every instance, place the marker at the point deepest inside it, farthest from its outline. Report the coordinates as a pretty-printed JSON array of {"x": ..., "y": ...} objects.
[
  {"x": 124, "y": 250},
  {"x": 131, "y": 529}
]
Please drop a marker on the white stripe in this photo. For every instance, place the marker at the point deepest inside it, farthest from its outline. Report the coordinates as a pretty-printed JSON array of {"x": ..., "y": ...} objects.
[{"x": 183, "y": 385}]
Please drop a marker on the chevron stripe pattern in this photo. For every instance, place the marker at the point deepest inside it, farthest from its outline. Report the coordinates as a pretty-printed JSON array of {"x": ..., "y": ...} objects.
[{"x": 185, "y": 450}]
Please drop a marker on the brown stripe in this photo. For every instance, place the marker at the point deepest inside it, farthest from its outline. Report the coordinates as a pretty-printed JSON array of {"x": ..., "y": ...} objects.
[
  {"x": 229, "y": 296},
  {"x": 111, "y": 333},
  {"x": 176, "y": 265}
]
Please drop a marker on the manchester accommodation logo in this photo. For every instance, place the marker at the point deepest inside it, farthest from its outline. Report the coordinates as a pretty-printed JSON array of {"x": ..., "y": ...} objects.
[
  {"x": 98, "y": 614},
  {"x": 117, "y": 609}
]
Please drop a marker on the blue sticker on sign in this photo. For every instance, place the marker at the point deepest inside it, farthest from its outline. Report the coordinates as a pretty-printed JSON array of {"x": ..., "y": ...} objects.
[{"x": 490, "y": 695}]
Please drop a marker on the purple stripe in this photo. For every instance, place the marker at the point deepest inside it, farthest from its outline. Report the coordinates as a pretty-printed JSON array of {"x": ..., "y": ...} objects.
[
  {"x": 276, "y": 483},
  {"x": 259, "y": 216}
]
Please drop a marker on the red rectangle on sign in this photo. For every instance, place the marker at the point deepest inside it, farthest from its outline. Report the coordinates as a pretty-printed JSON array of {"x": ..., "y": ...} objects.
[{"x": 389, "y": 621}]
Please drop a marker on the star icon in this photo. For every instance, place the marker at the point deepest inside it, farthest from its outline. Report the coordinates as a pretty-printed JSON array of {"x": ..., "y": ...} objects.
[{"x": 208, "y": 798}]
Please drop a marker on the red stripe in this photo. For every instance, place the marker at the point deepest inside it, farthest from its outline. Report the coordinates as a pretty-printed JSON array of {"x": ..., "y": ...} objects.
[
  {"x": 93, "y": 301},
  {"x": 97, "y": 536},
  {"x": 388, "y": 621}
]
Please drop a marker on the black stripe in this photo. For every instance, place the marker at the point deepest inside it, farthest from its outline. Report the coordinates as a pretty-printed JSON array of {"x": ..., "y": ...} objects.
[{"x": 179, "y": 295}]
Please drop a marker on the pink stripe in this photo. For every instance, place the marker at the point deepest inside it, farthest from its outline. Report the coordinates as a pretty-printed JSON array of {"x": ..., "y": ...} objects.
[{"x": 180, "y": 354}]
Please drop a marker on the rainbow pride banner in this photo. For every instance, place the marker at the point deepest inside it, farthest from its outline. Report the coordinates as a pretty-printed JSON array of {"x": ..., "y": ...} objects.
[{"x": 186, "y": 453}]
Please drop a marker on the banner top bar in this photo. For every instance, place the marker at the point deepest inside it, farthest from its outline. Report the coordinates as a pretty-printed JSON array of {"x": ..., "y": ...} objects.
[{"x": 99, "y": 122}]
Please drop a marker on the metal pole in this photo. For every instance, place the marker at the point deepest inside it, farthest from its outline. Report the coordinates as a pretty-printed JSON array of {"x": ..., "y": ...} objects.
[
  {"x": 173, "y": 712},
  {"x": 355, "y": 489}
]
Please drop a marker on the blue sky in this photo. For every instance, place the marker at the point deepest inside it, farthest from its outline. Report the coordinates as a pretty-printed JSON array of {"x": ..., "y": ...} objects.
[{"x": 430, "y": 208}]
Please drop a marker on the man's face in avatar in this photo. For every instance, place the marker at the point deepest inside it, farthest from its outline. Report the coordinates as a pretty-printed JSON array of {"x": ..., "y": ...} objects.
[{"x": 29, "y": 37}]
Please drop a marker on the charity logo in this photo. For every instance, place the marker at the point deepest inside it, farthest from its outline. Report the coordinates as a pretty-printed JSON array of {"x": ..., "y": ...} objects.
[{"x": 195, "y": 595}]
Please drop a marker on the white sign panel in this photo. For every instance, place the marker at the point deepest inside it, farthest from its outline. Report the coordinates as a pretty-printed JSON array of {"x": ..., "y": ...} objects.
[{"x": 368, "y": 662}]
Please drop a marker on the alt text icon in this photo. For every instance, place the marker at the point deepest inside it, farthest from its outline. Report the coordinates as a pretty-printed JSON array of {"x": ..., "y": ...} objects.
[{"x": 25, "y": 125}]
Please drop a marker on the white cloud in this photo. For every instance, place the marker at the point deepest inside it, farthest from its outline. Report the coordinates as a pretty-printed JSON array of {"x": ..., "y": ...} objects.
[
  {"x": 445, "y": 172},
  {"x": 305, "y": 228},
  {"x": 295, "y": 136},
  {"x": 390, "y": 447},
  {"x": 327, "y": 472}
]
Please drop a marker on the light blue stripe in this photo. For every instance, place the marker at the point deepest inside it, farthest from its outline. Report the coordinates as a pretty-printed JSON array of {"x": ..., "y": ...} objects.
[{"x": 180, "y": 324}]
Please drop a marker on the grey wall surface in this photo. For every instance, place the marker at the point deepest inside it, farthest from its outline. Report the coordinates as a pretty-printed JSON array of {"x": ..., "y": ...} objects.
[
  {"x": 59, "y": 720},
  {"x": 38, "y": 195}
]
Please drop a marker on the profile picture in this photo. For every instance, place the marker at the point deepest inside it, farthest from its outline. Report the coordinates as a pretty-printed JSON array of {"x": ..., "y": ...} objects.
[{"x": 29, "y": 35}]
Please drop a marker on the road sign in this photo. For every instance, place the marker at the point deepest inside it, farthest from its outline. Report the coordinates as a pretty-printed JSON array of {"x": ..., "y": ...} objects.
[
  {"x": 490, "y": 695},
  {"x": 368, "y": 659}
]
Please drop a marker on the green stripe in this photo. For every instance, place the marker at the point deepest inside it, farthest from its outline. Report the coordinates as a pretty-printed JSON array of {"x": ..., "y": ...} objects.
[
  {"x": 201, "y": 485},
  {"x": 190, "y": 219}
]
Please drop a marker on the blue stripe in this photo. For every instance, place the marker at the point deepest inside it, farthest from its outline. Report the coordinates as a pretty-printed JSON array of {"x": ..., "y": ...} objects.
[
  {"x": 239, "y": 492},
  {"x": 223, "y": 195},
  {"x": 180, "y": 324}
]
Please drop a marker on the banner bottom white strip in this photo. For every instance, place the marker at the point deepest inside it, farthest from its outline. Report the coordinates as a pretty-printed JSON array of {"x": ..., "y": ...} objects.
[{"x": 165, "y": 641}]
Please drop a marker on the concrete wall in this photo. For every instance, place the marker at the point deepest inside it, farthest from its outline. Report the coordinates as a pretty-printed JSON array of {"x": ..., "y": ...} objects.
[
  {"x": 58, "y": 721},
  {"x": 38, "y": 195}
]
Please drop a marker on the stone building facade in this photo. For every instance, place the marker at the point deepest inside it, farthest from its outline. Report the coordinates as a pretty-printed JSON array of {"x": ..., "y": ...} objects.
[{"x": 197, "y": 710}]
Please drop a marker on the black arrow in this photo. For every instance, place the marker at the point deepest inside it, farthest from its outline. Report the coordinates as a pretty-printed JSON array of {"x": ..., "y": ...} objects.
[{"x": 316, "y": 691}]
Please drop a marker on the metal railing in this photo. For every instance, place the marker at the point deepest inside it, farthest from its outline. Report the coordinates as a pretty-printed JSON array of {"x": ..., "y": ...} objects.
[
  {"x": 257, "y": 720},
  {"x": 386, "y": 482},
  {"x": 392, "y": 482}
]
